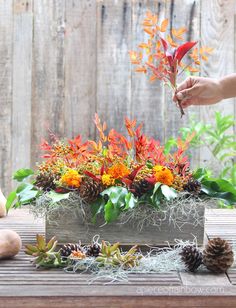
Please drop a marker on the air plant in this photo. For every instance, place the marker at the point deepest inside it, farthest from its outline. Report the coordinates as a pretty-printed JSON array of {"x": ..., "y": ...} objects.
[
  {"x": 162, "y": 57},
  {"x": 111, "y": 255},
  {"x": 44, "y": 253}
]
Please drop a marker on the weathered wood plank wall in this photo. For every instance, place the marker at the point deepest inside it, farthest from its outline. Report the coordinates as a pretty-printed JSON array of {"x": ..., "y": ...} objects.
[{"x": 62, "y": 60}]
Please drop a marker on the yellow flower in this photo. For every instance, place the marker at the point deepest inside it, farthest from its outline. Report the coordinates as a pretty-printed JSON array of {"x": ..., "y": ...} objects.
[
  {"x": 71, "y": 178},
  {"x": 108, "y": 180},
  {"x": 118, "y": 171},
  {"x": 163, "y": 175}
]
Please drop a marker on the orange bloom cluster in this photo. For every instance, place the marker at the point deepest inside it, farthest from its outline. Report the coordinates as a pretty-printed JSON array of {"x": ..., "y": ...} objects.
[
  {"x": 71, "y": 178},
  {"x": 163, "y": 175},
  {"x": 118, "y": 171}
]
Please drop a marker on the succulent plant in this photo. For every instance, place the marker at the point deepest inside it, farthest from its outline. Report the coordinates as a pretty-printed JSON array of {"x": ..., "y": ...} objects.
[
  {"x": 44, "y": 253},
  {"x": 111, "y": 255}
]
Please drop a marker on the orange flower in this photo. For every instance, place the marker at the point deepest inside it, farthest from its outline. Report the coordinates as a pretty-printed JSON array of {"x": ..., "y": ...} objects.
[
  {"x": 163, "y": 175},
  {"x": 77, "y": 255},
  {"x": 107, "y": 179},
  {"x": 118, "y": 171},
  {"x": 71, "y": 178}
]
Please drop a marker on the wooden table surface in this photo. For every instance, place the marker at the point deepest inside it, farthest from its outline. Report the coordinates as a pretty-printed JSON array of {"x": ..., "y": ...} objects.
[{"x": 21, "y": 285}]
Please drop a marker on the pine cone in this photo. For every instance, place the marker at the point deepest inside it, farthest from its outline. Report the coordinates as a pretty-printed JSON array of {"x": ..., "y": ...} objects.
[
  {"x": 92, "y": 250},
  {"x": 218, "y": 255},
  {"x": 67, "y": 249},
  {"x": 90, "y": 189},
  {"x": 192, "y": 257},
  {"x": 140, "y": 187},
  {"x": 193, "y": 186},
  {"x": 46, "y": 180}
]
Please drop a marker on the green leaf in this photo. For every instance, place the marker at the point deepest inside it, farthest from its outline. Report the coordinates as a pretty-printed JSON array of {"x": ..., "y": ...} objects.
[
  {"x": 171, "y": 142},
  {"x": 114, "y": 190},
  {"x": 201, "y": 173},
  {"x": 25, "y": 193},
  {"x": 156, "y": 195},
  {"x": 56, "y": 197},
  {"x": 130, "y": 201},
  {"x": 156, "y": 187},
  {"x": 24, "y": 186},
  {"x": 97, "y": 207},
  {"x": 22, "y": 174},
  {"x": 10, "y": 200},
  {"x": 220, "y": 189},
  {"x": 111, "y": 212},
  {"x": 168, "y": 192},
  {"x": 27, "y": 196},
  {"x": 116, "y": 194}
]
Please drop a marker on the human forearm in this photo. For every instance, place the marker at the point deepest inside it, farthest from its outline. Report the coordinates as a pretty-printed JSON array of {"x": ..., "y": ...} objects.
[{"x": 228, "y": 86}]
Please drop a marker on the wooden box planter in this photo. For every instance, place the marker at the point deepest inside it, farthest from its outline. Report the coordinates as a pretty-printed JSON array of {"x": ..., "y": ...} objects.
[{"x": 69, "y": 227}]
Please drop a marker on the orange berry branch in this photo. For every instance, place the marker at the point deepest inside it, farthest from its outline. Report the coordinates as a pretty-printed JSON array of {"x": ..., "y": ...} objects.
[{"x": 161, "y": 57}]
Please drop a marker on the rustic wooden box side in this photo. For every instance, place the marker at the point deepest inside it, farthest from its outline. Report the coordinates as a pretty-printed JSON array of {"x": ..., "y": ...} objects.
[{"x": 70, "y": 228}]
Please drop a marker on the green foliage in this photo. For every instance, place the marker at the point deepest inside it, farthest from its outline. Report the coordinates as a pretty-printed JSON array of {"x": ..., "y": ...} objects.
[
  {"x": 116, "y": 199},
  {"x": 22, "y": 174},
  {"x": 215, "y": 187},
  {"x": 112, "y": 202},
  {"x": 25, "y": 191},
  {"x": 220, "y": 141},
  {"x": 56, "y": 197}
]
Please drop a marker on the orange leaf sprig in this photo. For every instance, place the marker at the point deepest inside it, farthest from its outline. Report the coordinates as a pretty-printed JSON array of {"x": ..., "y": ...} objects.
[{"x": 161, "y": 57}]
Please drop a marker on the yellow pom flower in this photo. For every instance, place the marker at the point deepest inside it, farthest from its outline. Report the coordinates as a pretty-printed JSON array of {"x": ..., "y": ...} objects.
[
  {"x": 71, "y": 178},
  {"x": 118, "y": 171},
  {"x": 163, "y": 175},
  {"x": 108, "y": 180}
]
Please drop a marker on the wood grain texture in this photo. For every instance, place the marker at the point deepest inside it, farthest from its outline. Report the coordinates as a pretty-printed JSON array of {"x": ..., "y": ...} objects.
[
  {"x": 121, "y": 302},
  {"x": 127, "y": 234},
  {"x": 21, "y": 285},
  {"x": 80, "y": 56},
  {"x": 48, "y": 72},
  {"x": 113, "y": 65},
  {"x": 21, "y": 84},
  {"x": 6, "y": 30}
]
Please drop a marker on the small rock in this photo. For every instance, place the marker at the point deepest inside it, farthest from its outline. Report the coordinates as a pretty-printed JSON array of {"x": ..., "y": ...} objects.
[{"x": 10, "y": 244}]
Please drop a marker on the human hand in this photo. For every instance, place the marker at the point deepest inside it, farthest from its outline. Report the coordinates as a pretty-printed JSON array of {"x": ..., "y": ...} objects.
[{"x": 198, "y": 91}]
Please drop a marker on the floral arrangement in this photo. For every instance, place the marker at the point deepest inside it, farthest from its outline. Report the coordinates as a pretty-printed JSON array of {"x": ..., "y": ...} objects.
[
  {"x": 116, "y": 174},
  {"x": 110, "y": 262},
  {"x": 161, "y": 57}
]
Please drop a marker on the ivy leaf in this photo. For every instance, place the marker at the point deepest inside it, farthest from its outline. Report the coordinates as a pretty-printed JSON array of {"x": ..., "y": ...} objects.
[
  {"x": 26, "y": 196},
  {"x": 130, "y": 201},
  {"x": 24, "y": 187},
  {"x": 97, "y": 207},
  {"x": 22, "y": 174},
  {"x": 114, "y": 190},
  {"x": 156, "y": 187},
  {"x": 157, "y": 195},
  {"x": 56, "y": 197},
  {"x": 10, "y": 200},
  {"x": 168, "y": 192},
  {"x": 201, "y": 173},
  {"x": 111, "y": 212},
  {"x": 116, "y": 194},
  {"x": 25, "y": 193}
]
